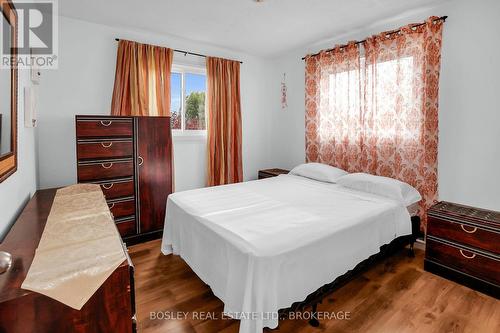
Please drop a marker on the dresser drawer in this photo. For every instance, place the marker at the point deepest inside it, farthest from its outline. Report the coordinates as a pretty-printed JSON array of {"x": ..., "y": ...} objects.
[
  {"x": 126, "y": 227},
  {"x": 478, "y": 237},
  {"x": 122, "y": 208},
  {"x": 87, "y": 128},
  {"x": 104, "y": 149},
  {"x": 117, "y": 189},
  {"x": 105, "y": 170},
  {"x": 464, "y": 260}
]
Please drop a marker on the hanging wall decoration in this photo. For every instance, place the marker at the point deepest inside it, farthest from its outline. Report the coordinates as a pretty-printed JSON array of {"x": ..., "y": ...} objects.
[{"x": 284, "y": 103}]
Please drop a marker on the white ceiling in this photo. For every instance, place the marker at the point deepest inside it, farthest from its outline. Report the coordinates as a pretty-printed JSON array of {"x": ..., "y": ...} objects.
[{"x": 265, "y": 29}]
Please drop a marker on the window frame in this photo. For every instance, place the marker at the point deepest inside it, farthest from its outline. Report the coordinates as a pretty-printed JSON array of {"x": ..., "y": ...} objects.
[{"x": 188, "y": 69}]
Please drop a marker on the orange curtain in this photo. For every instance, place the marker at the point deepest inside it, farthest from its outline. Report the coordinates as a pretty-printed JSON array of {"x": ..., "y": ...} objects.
[
  {"x": 224, "y": 165},
  {"x": 379, "y": 113},
  {"x": 142, "y": 80}
]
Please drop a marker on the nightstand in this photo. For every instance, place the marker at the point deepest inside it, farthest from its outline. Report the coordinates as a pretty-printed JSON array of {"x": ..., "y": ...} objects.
[
  {"x": 463, "y": 244},
  {"x": 268, "y": 173}
]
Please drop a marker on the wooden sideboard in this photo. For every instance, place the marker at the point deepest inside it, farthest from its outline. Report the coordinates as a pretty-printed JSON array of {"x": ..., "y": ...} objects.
[
  {"x": 110, "y": 309},
  {"x": 463, "y": 244},
  {"x": 130, "y": 157}
]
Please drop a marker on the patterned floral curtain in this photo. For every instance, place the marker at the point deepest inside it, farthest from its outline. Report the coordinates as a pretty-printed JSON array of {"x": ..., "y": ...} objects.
[
  {"x": 333, "y": 108},
  {"x": 378, "y": 113}
]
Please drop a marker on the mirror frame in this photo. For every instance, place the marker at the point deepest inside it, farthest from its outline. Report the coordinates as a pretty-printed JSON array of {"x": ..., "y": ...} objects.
[{"x": 8, "y": 162}]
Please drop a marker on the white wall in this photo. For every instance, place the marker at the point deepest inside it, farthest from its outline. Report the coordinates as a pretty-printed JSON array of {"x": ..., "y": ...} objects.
[
  {"x": 469, "y": 147},
  {"x": 16, "y": 190},
  {"x": 83, "y": 84}
]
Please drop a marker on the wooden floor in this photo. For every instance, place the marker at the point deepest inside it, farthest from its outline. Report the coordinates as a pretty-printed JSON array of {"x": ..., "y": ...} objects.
[{"x": 395, "y": 295}]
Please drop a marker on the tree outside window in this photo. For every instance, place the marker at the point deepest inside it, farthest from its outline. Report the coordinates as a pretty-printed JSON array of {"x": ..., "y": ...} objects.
[{"x": 188, "y": 90}]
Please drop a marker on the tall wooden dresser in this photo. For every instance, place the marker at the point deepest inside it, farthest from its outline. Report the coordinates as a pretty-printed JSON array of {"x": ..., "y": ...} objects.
[
  {"x": 463, "y": 244},
  {"x": 130, "y": 157}
]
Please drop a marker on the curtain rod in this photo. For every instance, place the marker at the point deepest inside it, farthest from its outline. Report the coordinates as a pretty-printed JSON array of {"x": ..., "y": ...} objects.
[
  {"x": 389, "y": 33},
  {"x": 187, "y": 52}
]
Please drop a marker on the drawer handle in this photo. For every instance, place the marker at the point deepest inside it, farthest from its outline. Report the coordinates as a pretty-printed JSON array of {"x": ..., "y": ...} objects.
[
  {"x": 112, "y": 206},
  {"x": 471, "y": 231},
  {"x": 107, "y": 187},
  {"x": 466, "y": 256},
  {"x": 141, "y": 160},
  {"x": 106, "y": 145},
  {"x": 106, "y": 123},
  {"x": 106, "y": 165}
]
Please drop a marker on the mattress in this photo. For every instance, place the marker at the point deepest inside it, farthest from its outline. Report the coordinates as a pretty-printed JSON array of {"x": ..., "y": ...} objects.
[{"x": 263, "y": 245}]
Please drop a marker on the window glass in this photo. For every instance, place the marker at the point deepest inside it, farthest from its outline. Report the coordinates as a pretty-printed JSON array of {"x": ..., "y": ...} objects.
[
  {"x": 175, "y": 100},
  {"x": 195, "y": 87}
]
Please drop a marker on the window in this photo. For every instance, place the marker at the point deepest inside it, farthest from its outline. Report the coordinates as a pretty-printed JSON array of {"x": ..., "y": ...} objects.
[
  {"x": 187, "y": 104},
  {"x": 350, "y": 91}
]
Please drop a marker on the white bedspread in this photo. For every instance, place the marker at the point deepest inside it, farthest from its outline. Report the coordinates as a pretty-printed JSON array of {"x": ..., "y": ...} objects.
[{"x": 262, "y": 245}]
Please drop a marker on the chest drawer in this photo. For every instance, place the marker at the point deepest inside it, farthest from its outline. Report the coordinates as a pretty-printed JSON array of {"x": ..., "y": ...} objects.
[
  {"x": 122, "y": 188},
  {"x": 105, "y": 170},
  {"x": 464, "y": 260},
  {"x": 467, "y": 234},
  {"x": 104, "y": 149},
  {"x": 122, "y": 208},
  {"x": 88, "y": 128},
  {"x": 126, "y": 226}
]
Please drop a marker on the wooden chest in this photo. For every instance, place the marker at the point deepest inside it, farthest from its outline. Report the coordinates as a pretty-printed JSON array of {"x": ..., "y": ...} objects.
[{"x": 463, "y": 244}]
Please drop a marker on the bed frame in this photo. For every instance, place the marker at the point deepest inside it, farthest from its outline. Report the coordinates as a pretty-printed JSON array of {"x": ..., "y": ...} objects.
[{"x": 315, "y": 298}]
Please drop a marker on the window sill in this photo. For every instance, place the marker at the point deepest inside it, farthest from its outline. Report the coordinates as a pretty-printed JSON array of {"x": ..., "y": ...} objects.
[{"x": 189, "y": 136}]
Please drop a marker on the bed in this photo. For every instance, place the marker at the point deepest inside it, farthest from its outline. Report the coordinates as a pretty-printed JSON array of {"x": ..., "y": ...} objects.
[{"x": 263, "y": 245}]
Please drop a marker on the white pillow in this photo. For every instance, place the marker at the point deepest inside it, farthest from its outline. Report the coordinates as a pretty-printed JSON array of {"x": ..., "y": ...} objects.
[
  {"x": 318, "y": 171},
  {"x": 383, "y": 186}
]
